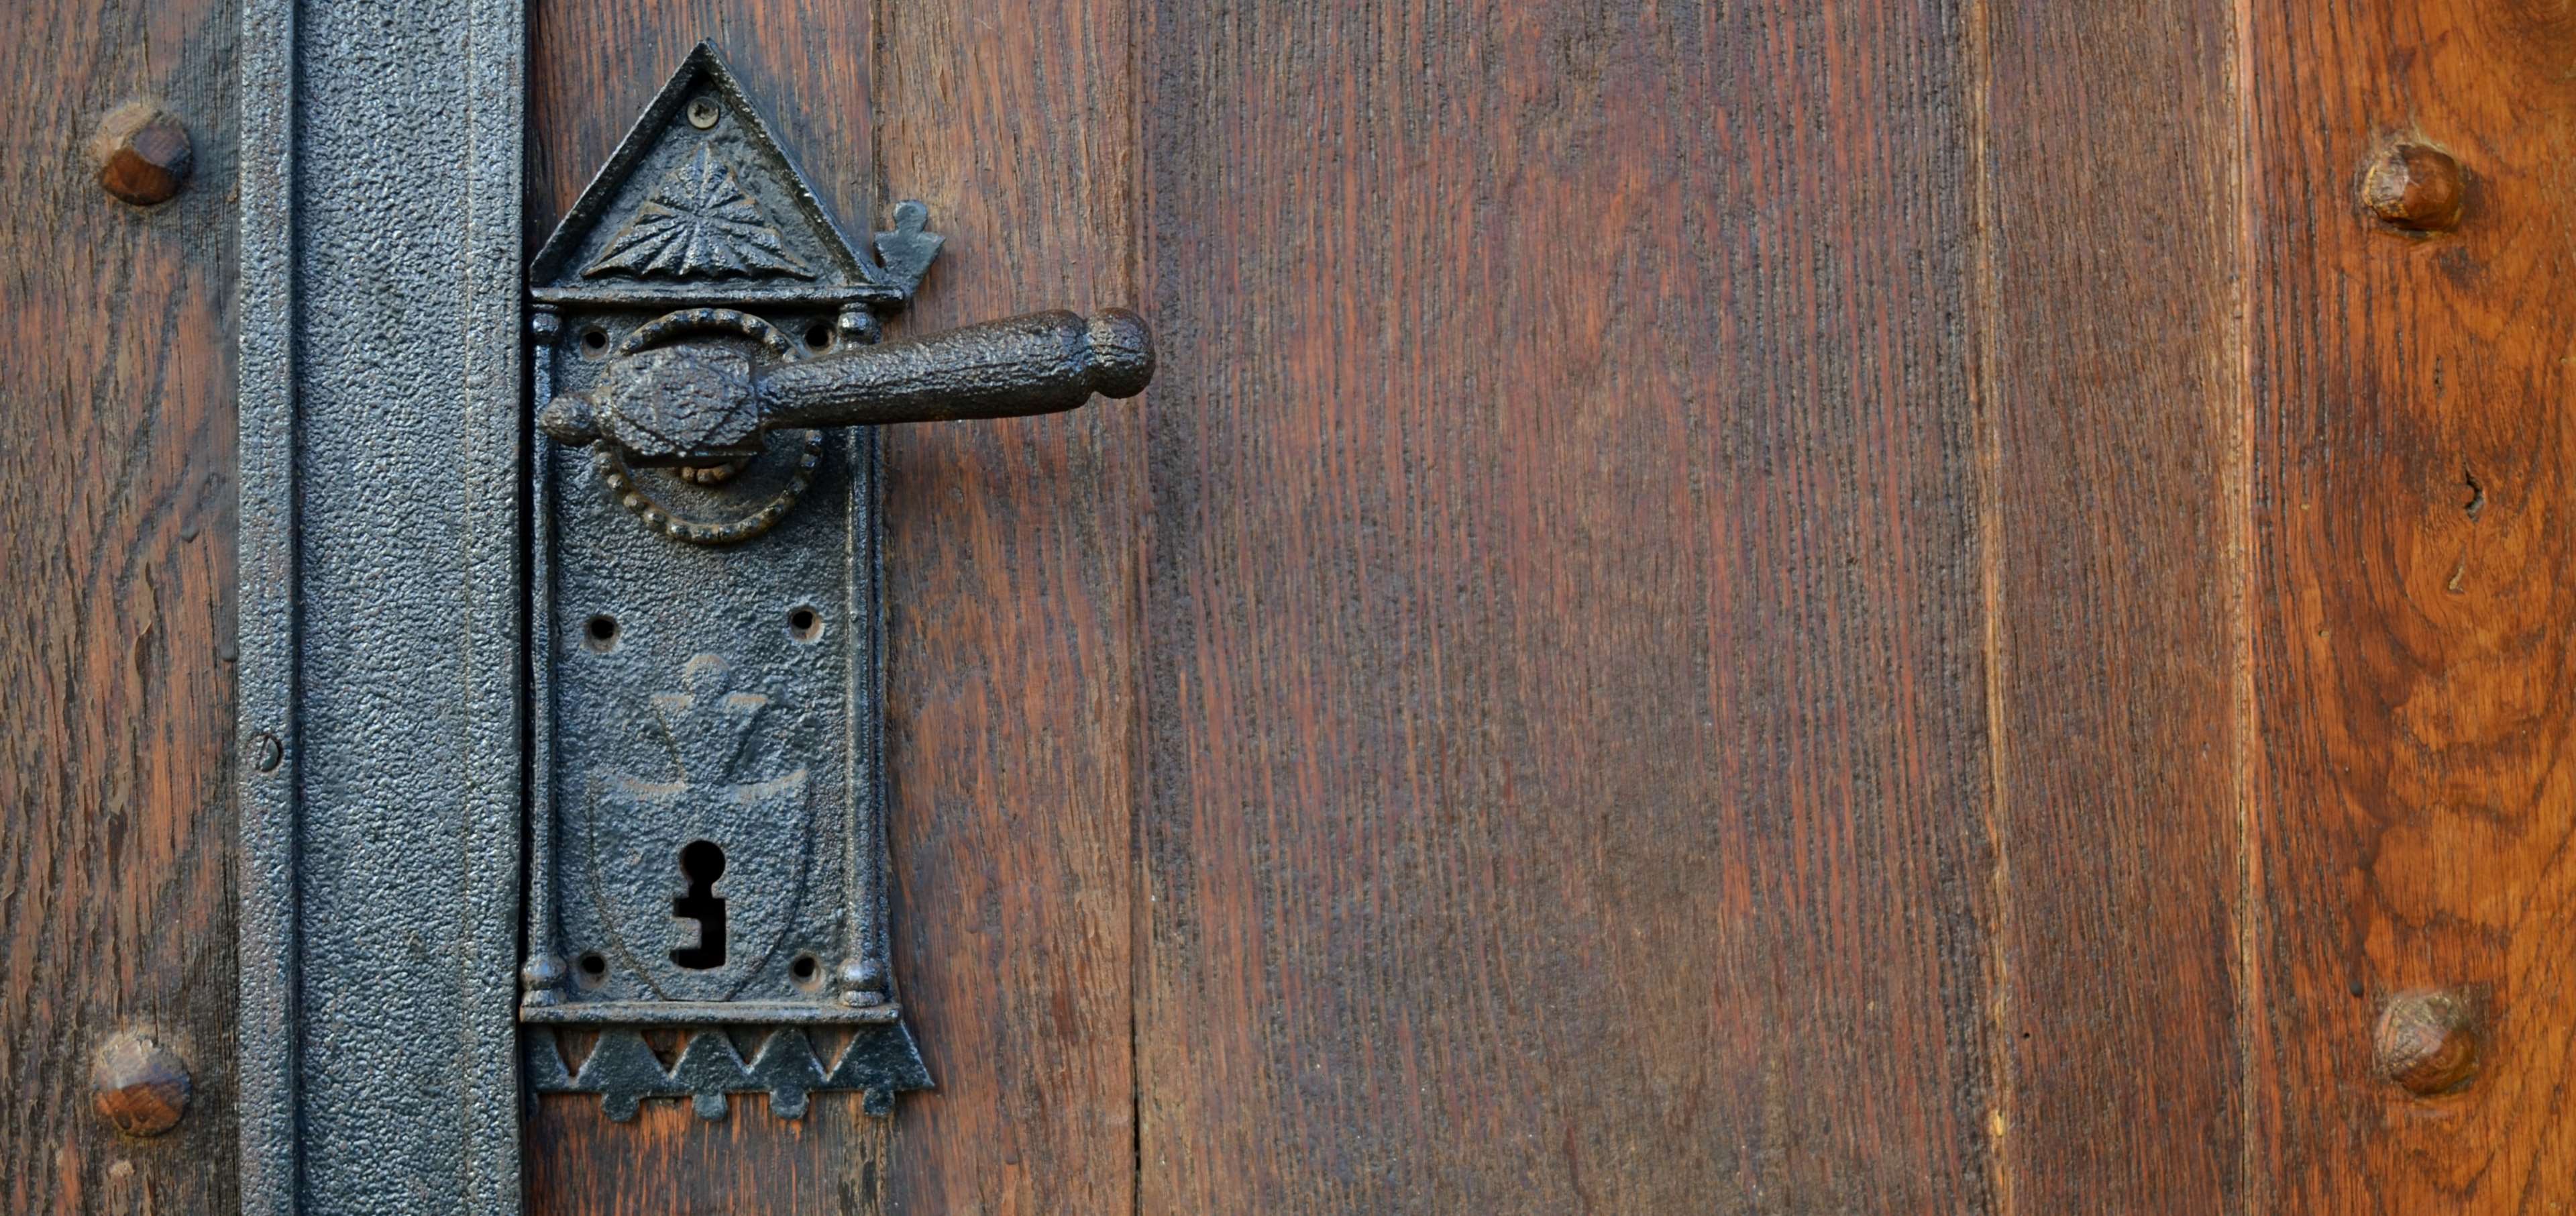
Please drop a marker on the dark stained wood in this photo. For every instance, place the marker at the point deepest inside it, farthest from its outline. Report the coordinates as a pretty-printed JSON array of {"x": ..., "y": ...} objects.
[
  {"x": 1766, "y": 608},
  {"x": 1754, "y": 608},
  {"x": 1012, "y": 575},
  {"x": 1566, "y": 708},
  {"x": 592, "y": 66},
  {"x": 1014, "y": 564},
  {"x": 670, "y": 1162},
  {"x": 2415, "y": 603},
  {"x": 2114, "y": 430},
  {"x": 116, "y": 529}
]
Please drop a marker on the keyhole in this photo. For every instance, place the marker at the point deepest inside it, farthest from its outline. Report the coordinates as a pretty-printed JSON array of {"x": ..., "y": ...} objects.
[{"x": 701, "y": 864}]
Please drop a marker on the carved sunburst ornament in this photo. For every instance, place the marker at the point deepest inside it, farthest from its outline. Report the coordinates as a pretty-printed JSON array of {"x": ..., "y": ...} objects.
[{"x": 698, "y": 221}]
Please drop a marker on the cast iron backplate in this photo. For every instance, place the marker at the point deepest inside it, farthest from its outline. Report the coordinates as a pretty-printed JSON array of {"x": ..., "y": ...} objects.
[{"x": 707, "y": 863}]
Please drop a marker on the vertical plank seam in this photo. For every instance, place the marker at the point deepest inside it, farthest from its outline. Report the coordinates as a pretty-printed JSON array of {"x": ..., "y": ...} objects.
[
  {"x": 871, "y": 454},
  {"x": 2252, "y": 1181},
  {"x": 1983, "y": 308},
  {"x": 1140, "y": 566},
  {"x": 877, "y": 1184}
]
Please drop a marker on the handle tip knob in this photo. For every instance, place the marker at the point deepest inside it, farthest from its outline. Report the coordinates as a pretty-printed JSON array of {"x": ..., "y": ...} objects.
[
  {"x": 569, "y": 421},
  {"x": 1122, "y": 353}
]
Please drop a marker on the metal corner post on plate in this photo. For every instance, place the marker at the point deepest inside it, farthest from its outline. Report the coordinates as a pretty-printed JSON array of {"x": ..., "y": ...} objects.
[{"x": 380, "y": 633}]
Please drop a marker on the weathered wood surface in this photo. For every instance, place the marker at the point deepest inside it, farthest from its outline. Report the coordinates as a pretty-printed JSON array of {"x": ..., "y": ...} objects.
[
  {"x": 116, "y": 508},
  {"x": 2112, "y": 535},
  {"x": 1014, "y": 563},
  {"x": 1567, "y": 706},
  {"x": 2414, "y": 512},
  {"x": 1730, "y": 608},
  {"x": 1756, "y": 609}
]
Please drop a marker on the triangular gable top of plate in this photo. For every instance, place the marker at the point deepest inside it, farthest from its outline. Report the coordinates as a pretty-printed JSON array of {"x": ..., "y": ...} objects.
[{"x": 700, "y": 205}]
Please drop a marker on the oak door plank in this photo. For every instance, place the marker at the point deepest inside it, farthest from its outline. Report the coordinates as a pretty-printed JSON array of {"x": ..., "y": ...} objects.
[
  {"x": 2415, "y": 643},
  {"x": 116, "y": 525},
  {"x": 2112, "y": 382},
  {"x": 1014, "y": 634},
  {"x": 1565, "y": 715}
]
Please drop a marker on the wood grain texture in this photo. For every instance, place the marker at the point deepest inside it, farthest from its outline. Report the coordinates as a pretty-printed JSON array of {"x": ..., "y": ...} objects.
[
  {"x": 592, "y": 67},
  {"x": 2415, "y": 590},
  {"x": 2110, "y": 381},
  {"x": 670, "y": 1162},
  {"x": 1013, "y": 566},
  {"x": 1786, "y": 609},
  {"x": 116, "y": 527},
  {"x": 1566, "y": 704}
]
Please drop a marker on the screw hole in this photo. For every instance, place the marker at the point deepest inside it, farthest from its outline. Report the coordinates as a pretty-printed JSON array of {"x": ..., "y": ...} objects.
[
  {"x": 600, "y": 633},
  {"x": 593, "y": 968},
  {"x": 804, "y": 624},
  {"x": 818, "y": 336},
  {"x": 594, "y": 339},
  {"x": 806, "y": 971}
]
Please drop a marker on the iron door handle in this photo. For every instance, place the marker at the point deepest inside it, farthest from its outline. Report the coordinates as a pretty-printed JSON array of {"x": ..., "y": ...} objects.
[
  {"x": 666, "y": 401},
  {"x": 707, "y": 798}
]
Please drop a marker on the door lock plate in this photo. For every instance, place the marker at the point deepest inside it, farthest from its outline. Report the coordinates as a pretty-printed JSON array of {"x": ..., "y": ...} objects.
[{"x": 707, "y": 861}]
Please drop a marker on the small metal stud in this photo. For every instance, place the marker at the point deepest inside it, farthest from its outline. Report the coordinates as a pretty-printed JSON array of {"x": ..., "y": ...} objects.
[
  {"x": 138, "y": 1086},
  {"x": 2427, "y": 1041},
  {"x": 143, "y": 153},
  {"x": 2416, "y": 188}
]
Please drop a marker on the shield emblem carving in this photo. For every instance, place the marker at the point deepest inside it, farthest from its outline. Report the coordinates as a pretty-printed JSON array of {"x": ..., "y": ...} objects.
[{"x": 652, "y": 875}]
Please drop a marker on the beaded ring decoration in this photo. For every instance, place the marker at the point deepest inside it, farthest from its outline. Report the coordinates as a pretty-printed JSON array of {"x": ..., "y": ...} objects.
[{"x": 621, "y": 482}]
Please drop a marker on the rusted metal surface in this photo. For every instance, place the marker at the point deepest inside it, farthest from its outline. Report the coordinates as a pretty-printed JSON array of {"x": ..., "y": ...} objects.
[
  {"x": 2427, "y": 1040},
  {"x": 2415, "y": 187},
  {"x": 143, "y": 153},
  {"x": 622, "y": 1068},
  {"x": 702, "y": 404},
  {"x": 139, "y": 1086},
  {"x": 701, "y": 704}
]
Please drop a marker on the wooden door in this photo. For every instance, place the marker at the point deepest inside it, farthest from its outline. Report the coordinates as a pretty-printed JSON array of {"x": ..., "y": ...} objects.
[{"x": 1766, "y": 608}]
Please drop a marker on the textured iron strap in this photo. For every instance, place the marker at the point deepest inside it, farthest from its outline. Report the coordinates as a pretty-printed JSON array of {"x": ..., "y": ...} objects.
[{"x": 380, "y": 669}]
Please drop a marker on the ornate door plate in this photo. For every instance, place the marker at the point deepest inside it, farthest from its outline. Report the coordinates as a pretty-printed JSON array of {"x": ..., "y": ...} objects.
[{"x": 707, "y": 852}]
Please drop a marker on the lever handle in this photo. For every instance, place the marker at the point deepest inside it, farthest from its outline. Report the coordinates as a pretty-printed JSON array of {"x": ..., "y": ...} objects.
[{"x": 702, "y": 403}]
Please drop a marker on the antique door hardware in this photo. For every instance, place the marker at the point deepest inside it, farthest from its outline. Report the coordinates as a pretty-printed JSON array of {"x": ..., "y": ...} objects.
[
  {"x": 560, "y": 766},
  {"x": 701, "y": 405},
  {"x": 706, "y": 853}
]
